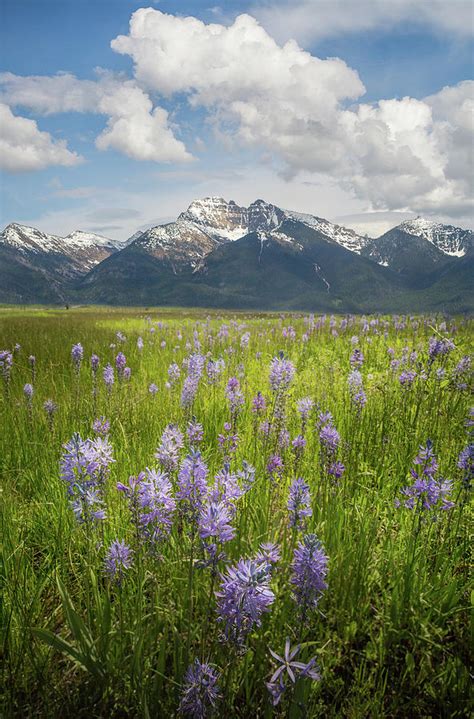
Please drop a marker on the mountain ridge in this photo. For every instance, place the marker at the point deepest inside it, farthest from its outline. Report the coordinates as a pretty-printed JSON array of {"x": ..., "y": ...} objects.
[{"x": 184, "y": 261}]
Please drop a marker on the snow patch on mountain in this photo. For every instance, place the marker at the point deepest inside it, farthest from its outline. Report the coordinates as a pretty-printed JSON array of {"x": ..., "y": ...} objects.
[{"x": 451, "y": 240}]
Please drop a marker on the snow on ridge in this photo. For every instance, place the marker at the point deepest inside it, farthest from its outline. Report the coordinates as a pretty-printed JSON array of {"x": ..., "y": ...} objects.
[{"x": 447, "y": 238}]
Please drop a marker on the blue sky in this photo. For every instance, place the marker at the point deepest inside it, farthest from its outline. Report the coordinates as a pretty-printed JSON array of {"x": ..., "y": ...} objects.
[{"x": 319, "y": 140}]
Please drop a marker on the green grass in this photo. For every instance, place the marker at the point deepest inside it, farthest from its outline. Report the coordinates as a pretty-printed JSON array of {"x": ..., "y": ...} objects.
[{"x": 391, "y": 634}]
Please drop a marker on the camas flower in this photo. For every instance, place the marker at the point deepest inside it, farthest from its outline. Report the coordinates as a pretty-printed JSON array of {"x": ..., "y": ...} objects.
[
  {"x": 299, "y": 503},
  {"x": 167, "y": 453},
  {"x": 305, "y": 406},
  {"x": 174, "y": 373},
  {"x": 200, "y": 691},
  {"x": 118, "y": 560},
  {"x": 275, "y": 467},
  {"x": 330, "y": 438},
  {"x": 101, "y": 426},
  {"x": 407, "y": 378},
  {"x": 28, "y": 391},
  {"x": 466, "y": 463},
  {"x": 282, "y": 372},
  {"x": 357, "y": 358},
  {"x": 427, "y": 492},
  {"x": 6, "y": 363},
  {"x": 289, "y": 668},
  {"x": 195, "y": 432},
  {"x": 439, "y": 347},
  {"x": 258, "y": 404},
  {"x": 234, "y": 396},
  {"x": 77, "y": 353},
  {"x": 109, "y": 377},
  {"x": 157, "y": 504},
  {"x": 84, "y": 467},
  {"x": 244, "y": 595},
  {"x": 50, "y": 407},
  {"x": 214, "y": 523},
  {"x": 269, "y": 553},
  {"x": 309, "y": 570},
  {"x": 192, "y": 484}
]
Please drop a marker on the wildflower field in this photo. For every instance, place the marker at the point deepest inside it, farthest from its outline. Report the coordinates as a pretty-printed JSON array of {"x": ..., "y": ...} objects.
[{"x": 234, "y": 515}]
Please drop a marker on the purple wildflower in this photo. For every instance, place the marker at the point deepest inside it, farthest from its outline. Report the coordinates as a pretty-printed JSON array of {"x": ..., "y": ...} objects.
[
  {"x": 228, "y": 441},
  {"x": 336, "y": 469},
  {"x": 234, "y": 396},
  {"x": 28, "y": 391},
  {"x": 153, "y": 389},
  {"x": 50, "y": 408},
  {"x": 84, "y": 466},
  {"x": 6, "y": 363},
  {"x": 117, "y": 561},
  {"x": 290, "y": 669},
  {"x": 275, "y": 467},
  {"x": 214, "y": 369},
  {"x": 330, "y": 438},
  {"x": 214, "y": 522},
  {"x": 174, "y": 373},
  {"x": 259, "y": 404},
  {"x": 200, "y": 692},
  {"x": 95, "y": 362},
  {"x": 195, "y": 366},
  {"x": 427, "y": 492},
  {"x": 192, "y": 483},
  {"x": 244, "y": 595},
  {"x": 109, "y": 377},
  {"x": 299, "y": 503},
  {"x": 282, "y": 372},
  {"x": 439, "y": 347},
  {"x": 269, "y": 552},
  {"x": 305, "y": 406},
  {"x": 156, "y": 503},
  {"x": 101, "y": 426},
  {"x": 120, "y": 364},
  {"x": 356, "y": 389},
  {"x": 167, "y": 453},
  {"x": 140, "y": 344},
  {"x": 466, "y": 463},
  {"x": 407, "y": 378},
  {"x": 77, "y": 354},
  {"x": 356, "y": 359},
  {"x": 195, "y": 432},
  {"x": 309, "y": 568}
]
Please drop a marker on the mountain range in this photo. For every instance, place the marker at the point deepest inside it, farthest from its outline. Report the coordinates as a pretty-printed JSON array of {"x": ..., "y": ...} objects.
[{"x": 219, "y": 254}]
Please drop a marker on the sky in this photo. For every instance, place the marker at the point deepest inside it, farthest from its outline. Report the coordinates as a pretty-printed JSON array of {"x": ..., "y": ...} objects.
[{"x": 114, "y": 115}]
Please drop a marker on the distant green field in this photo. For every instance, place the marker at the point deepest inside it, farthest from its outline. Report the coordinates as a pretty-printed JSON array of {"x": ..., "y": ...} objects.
[{"x": 370, "y": 574}]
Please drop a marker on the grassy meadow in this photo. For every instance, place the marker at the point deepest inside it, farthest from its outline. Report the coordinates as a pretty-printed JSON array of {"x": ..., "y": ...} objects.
[{"x": 212, "y": 556}]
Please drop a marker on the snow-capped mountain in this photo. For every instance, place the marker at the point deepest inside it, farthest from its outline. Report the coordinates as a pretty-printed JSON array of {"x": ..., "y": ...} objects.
[
  {"x": 218, "y": 253},
  {"x": 451, "y": 240},
  {"x": 213, "y": 221},
  {"x": 73, "y": 255}
]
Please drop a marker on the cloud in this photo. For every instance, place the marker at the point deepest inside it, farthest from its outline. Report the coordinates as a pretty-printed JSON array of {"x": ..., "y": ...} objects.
[
  {"x": 303, "y": 116},
  {"x": 395, "y": 154},
  {"x": 309, "y": 20},
  {"x": 24, "y": 147},
  {"x": 133, "y": 128},
  {"x": 373, "y": 224},
  {"x": 258, "y": 92}
]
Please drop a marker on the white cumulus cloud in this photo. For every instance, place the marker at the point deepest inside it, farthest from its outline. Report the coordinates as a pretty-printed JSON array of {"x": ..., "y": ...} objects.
[
  {"x": 309, "y": 20},
  {"x": 395, "y": 154},
  {"x": 134, "y": 127},
  {"x": 24, "y": 147}
]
